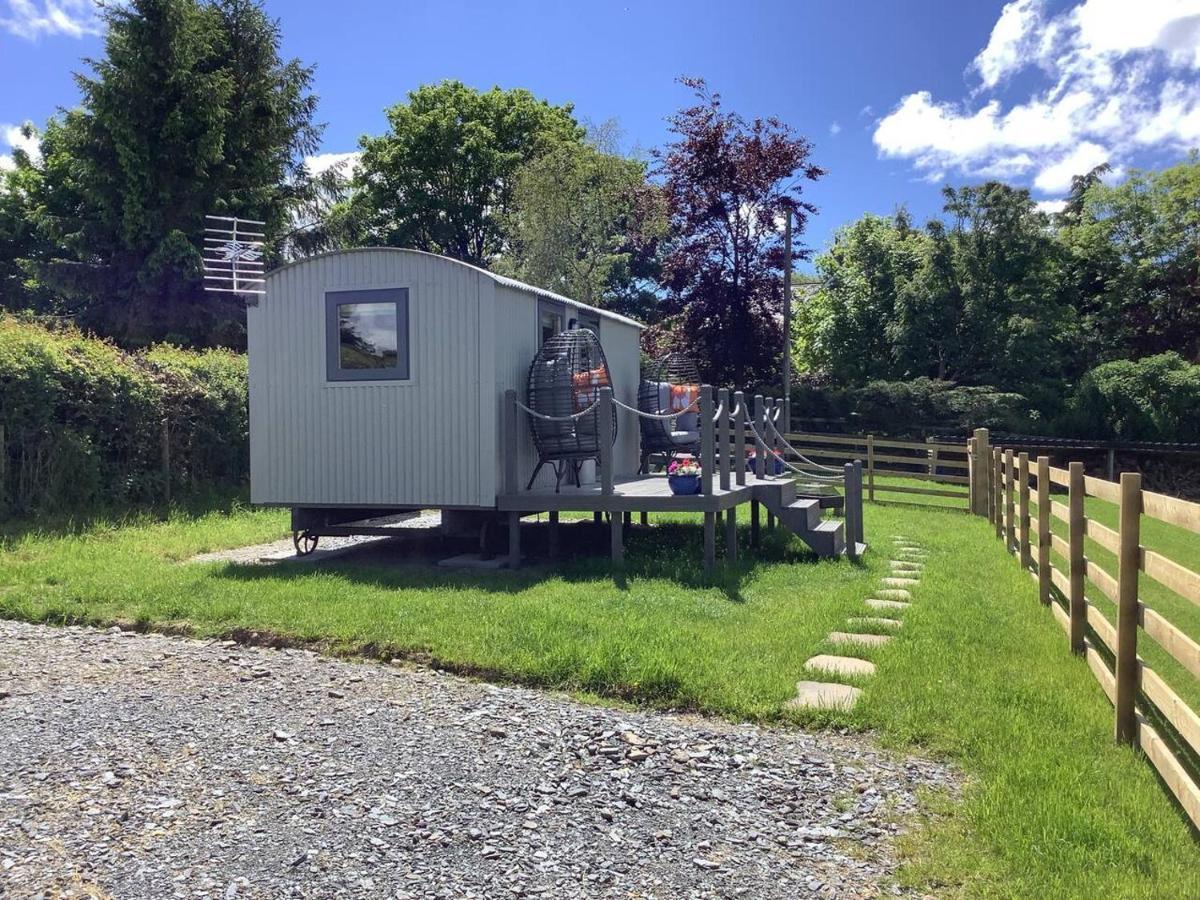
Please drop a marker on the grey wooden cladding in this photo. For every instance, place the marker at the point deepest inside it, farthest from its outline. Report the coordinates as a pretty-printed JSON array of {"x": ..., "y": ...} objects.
[{"x": 433, "y": 440}]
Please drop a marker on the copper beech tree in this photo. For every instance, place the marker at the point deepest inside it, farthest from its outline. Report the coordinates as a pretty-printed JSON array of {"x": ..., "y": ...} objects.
[{"x": 729, "y": 184}]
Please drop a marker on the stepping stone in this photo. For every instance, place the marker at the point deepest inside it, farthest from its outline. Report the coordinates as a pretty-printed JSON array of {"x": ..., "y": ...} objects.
[
  {"x": 887, "y": 604},
  {"x": 823, "y": 695},
  {"x": 908, "y": 564},
  {"x": 894, "y": 582},
  {"x": 841, "y": 665},
  {"x": 895, "y": 594},
  {"x": 863, "y": 640},
  {"x": 873, "y": 622}
]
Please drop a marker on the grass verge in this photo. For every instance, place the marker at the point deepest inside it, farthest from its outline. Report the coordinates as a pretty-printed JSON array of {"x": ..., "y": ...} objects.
[{"x": 979, "y": 674}]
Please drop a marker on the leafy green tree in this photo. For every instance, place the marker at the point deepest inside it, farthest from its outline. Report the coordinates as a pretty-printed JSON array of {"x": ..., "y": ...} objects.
[
  {"x": 442, "y": 178},
  {"x": 1150, "y": 399},
  {"x": 585, "y": 223},
  {"x": 1138, "y": 241},
  {"x": 190, "y": 111}
]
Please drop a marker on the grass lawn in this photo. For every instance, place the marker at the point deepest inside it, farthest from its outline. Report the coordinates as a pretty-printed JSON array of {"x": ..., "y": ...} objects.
[{"x": 980, "y": 673}]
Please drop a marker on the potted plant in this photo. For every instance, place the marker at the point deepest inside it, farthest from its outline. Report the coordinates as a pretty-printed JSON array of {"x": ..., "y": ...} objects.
[{"x": 683, "y": 476}]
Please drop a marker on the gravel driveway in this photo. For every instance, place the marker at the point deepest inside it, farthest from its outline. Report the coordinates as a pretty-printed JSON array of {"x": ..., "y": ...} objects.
[{"x": 151, "y": 766}]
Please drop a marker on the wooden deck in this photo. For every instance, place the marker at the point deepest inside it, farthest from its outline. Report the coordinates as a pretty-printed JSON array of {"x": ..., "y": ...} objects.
[{"x": 644, "y": 493}]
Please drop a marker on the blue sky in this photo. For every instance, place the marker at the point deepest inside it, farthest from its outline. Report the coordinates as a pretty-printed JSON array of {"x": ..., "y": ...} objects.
[{"x": 898, "y": 98}]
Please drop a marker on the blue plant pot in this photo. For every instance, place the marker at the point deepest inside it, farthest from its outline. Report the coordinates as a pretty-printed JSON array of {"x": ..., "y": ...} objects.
[
  {"x": 684, "y": 484},
  {"x": 773, "y": 465}
]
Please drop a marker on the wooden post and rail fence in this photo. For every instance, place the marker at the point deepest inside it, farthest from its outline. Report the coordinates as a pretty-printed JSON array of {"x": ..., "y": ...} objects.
[{"x": 1105, "y": 614}]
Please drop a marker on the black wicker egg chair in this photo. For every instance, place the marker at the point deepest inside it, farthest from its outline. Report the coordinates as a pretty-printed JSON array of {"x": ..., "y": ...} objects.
[
  {"x": 670, "y": 384},
  {"x": 565, "y": 379}
]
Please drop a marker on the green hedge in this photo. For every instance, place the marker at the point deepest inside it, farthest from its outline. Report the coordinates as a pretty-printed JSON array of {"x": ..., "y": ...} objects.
[{"x": 83, "y": 421}]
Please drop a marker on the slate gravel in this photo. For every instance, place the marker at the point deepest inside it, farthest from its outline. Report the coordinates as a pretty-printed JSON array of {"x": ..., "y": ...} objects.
[{"x": 152, "y": 766}]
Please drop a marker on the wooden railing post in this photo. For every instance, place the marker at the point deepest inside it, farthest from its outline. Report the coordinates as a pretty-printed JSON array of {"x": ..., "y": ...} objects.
[
  {"x": 510, "y": 441},
  {"x": 739, "y": 438},
  {"x": 1023, "y": 510},
  {"x": 1077, "y": 521},
  {"x": 871, "y": 467},
  {"x": 1010, "y": 518},
  {"x": 1044, "y": 542},
  {"x": 852, "y": 513},
  {"x": 706, "y": 439},
  {"x": 606, "y": 441},
  {"x": 723, "y": 436},
  {"x": 760, "y": 449},
  {"x": 1128, "y": 564}
]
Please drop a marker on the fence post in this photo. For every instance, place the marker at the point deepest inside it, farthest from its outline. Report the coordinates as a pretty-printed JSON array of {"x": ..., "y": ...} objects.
[
  {"x": 860, "y": 533},
  {"x": 1077, "y": 520},
  {"x": 739, "y": 438},
  {"x": 1044, "y": 542},
  {"x": 768, "y": 455},
  {"x": 1023, "y": 510},
  {"x": 606, "y": 441},
  {"x": 998, "y": 489},
  {"x": 723, "y": 436},
  {"x": 932, "y": 453},
  {"x": 706, "y": 438},
  {"x": 1010, "y": 518},
  {"x": 852, "y": 515},
  {"x": 1128, "y": 564},
  {"x": 871, "y": 467},
  {"x": 979, "y": 474}
]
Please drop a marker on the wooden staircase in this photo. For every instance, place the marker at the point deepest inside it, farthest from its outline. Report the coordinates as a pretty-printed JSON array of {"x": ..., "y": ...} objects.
[{"x": 803, "y": 517}]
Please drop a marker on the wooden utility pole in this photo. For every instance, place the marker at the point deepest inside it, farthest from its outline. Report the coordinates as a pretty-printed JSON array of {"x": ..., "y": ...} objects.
[{"x": 787, "y": 324}]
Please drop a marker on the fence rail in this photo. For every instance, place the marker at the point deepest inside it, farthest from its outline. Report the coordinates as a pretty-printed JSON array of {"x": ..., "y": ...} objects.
[
  {"x": 1016, "y": 494},
  {"x": 945, "y": 465}
]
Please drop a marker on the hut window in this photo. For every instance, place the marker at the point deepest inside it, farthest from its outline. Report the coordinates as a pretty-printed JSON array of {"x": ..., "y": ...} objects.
[{"x": 367, "y": 335}]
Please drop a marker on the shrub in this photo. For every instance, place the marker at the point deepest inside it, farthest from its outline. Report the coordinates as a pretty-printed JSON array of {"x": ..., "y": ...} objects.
[
  {"x": 83, "y": 421},
  {"x": 908, "y": 408},
  {"x": 1151, "y": 399}
]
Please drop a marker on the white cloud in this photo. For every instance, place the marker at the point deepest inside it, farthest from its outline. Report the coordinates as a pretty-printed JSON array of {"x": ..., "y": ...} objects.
[
  {"x": 1122, "y": 75},
  {"x": 321, "y": 162},
  {"x": 1056, "y": 177},
  {"x": 1052, "y": 206},
  {"x": 835, "y": 129},
  {"x": 73, "y": 18}
]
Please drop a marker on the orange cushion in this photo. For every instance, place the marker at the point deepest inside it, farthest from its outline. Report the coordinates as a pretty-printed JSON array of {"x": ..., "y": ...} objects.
[{"x": 683, "y": 396}]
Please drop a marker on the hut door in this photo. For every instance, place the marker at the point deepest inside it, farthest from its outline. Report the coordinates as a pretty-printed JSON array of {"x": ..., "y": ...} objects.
[{"x": 550, "y": 319}]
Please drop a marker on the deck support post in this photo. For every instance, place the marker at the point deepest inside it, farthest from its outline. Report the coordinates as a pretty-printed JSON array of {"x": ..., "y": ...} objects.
[
  {"x": 514, "y": 540},
  {"x": 554, "y": 536},
  {"x": 731, "y": 534},
  {"x": 644, "y": 518},
  {"x": 598, "y": 517},
  {"x": 710, "y": 541},
  {"x": 617, "y": 528},
  {"x": 755, "y": 524}
]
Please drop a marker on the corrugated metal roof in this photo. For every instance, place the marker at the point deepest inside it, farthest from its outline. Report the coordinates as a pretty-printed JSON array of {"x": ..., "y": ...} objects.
[{"x": 499, "y": 279}]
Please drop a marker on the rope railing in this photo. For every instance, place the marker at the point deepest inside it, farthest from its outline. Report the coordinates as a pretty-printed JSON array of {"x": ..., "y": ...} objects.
[
  {"x": 762, "y": 442},
  {"x": 798, "y": 454},
  {"x": 691, "y": 407},
  {"x": 545, "y": 418}
]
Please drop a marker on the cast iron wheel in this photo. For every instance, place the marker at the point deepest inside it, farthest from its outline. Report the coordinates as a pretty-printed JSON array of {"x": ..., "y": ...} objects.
[{"x": 305, "y": 542}]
